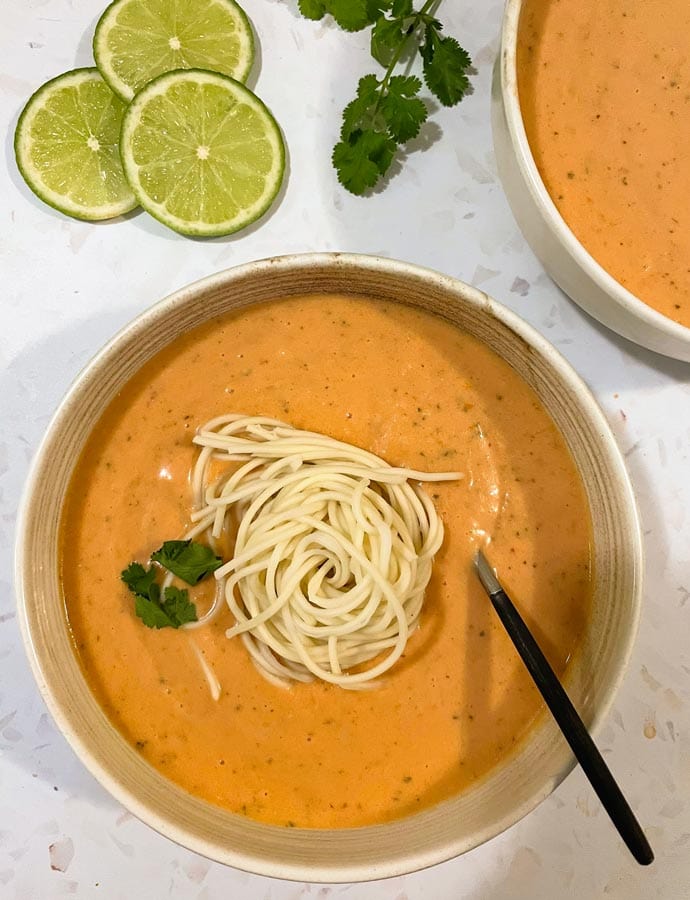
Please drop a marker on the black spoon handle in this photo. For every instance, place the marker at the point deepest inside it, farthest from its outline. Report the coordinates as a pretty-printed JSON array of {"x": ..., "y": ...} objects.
[{"x": 566, "y": 716}]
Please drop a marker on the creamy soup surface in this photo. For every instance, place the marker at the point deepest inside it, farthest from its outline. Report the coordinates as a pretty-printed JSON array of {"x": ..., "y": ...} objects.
[
  {"x": 605, "y": 95},
  {"x": 413, "y": 389}
]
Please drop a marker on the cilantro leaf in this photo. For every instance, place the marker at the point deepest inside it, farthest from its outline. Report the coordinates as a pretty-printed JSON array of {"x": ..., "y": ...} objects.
[
  {"x": 445, "y": 67},
  {"x": 351, "y": 15},
  {"x": 376, "y": 9},
  {"x": 312, "y": 9},
  {"x": 357, "y": 113},
  {"x": 381, "y": 150},
  {"x": 141, "y": 581},
  {"x": 356, "y": 171},
  {"x": 355, "y": 117},
  {"x": 386, "y": 37},
  {"x": 152, "y": 614},
  {"x": 368, "y": 87},
  {"x": 401, "y": 8},
  {"x": 362, "y": 159},
  {"x": 178, "y": 607},
  {"x": 403, "y": 111},
  {"x": 174, "y": 610},
  {"x": 188, "y": 560}
]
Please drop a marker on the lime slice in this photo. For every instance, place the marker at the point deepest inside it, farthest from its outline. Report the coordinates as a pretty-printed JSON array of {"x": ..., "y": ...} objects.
[
  {"x": 137, "y": 40},
  {"x": 66, "y": 145},
  {"x": 201, "y": 152}
]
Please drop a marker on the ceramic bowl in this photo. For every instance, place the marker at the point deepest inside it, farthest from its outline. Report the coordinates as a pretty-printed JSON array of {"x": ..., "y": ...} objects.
[
  {"x": 439, "y": 833},
  {"x": 562, "y": 255}
]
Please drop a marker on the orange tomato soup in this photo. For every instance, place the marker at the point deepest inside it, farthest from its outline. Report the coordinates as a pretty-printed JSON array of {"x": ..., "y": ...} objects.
[
  {"x": 605, "y": 96},
  {"x": 415, "y": 390}
]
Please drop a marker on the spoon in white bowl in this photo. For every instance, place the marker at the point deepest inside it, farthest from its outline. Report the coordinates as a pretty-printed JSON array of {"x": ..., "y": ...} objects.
[{"x": 566, "y": 716}]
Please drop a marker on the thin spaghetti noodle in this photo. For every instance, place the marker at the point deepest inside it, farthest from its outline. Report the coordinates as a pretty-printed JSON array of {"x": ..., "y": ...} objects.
[{"x": 333, "y": 548}]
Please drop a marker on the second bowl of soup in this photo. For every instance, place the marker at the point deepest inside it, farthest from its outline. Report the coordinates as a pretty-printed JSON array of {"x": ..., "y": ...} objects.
[{"x": 591, "y": 130}]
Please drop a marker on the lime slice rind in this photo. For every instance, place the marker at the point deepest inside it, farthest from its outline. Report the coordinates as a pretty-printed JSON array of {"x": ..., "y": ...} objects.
[
  {"x": 133, "y": 43},
  {"x": 52, "y": 151},
  {"x": 202, "y": 153}
]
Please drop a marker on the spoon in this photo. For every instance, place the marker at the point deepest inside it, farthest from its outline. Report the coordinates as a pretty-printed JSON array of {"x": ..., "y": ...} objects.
[{"x": 566, "y": 716}]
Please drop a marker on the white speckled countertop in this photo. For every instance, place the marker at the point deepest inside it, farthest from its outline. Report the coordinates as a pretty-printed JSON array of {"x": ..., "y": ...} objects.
[{"x": 67, "y": 286}]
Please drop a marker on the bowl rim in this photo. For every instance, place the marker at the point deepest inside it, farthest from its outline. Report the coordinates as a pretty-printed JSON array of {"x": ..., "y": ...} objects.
[
  {"x": 345, "y": 871},
  {"x": 624, "y": 298}
]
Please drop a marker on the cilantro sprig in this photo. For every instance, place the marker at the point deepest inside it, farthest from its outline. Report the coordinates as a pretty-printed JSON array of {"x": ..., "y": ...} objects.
[
  {"x": 188, "y": 560},
  {"x": 170, "y": 607},
  {"x": 387, "y": 112}
]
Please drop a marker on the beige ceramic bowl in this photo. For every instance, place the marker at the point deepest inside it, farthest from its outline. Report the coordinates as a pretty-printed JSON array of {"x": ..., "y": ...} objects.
[
  {"x": 452, "y": 827},
  {"x": 563, "y": 256}
]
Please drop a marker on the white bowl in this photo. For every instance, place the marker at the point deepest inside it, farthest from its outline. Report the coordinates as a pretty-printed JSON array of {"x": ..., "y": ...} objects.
[
  {"x": 562, "y": 255},
  {"x": 454, "y": 826}
]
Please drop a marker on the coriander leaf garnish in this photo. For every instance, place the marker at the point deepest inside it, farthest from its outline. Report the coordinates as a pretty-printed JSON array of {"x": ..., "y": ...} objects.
[
  {"x": 141, "y": 581},
  {"x": 385, "y": 38},
  {"x": 177, "y": 605},
  {"x": 173, "y": 610},
  {"x": 403, "y": 111},
  {"x": 445, "y": 66},
  {"x": 152, "y": 614},
  {"x": 188, "y": 560},
  {"x": 148, "y": 605},
  {"x": 312, "y": 9},
  {"x": 356, "y": 114},
  {"x": 362, "y": 159},
  {"x": 387, "y": 112},
  {"x": 402, "y": 8},
  {"x": 351, "y": 15}
]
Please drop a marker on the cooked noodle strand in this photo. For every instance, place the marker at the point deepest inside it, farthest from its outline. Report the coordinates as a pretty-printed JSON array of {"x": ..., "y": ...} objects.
[{"x": 333, "y": 548}]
